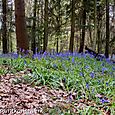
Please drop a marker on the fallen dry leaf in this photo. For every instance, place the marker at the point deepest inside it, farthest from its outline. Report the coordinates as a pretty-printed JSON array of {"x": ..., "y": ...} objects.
[{"x": 23, "y": 96}]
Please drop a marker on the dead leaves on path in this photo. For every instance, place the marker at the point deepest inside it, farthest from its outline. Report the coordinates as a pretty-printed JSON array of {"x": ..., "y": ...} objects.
[{"x": 22, "y": 98}]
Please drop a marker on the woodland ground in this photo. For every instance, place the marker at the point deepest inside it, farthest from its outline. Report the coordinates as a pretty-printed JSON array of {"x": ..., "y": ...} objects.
[{"x": 59, "y": 84}]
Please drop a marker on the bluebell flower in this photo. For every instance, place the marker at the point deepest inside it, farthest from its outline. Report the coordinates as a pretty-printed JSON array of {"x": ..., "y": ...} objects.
[
  {"x": 108, "y": 60},
  {"x": 91, "y": 56},
  {"x": 107, "y": 83},
  {"x": 45, "y": 53},
  {"x": 64, "y": 80},
  {"x": 36, "y": 49},
  {"x": 81, "y": 74},
  {"x": 111, "y": 73},
  {"x": 70, "y": 97},
  {"x": 15, "y": 55},
  {"x": 99, "y": 81},
  {"x": 93, "y": 90},
  {"x": 86, "y": 66},
  {"x": 41, "y": 51},
  {"x": 87, "y": 85},
  {"x": 92, "y": 74},
  {"x": 104, "y": 101},
  {"x": 55, "y": 66},
  {"x": 23, "y": 50},
  {"x": 25, "y": 62},
  {"x": 27, "y": 51},
  {"x": 73, "y": 60},
  {"x": 102, "y": 64},
  {"x": 34, "y": 56},
  {"x": 20, "y": 49},
  {"x": 104, "y": 69},
  {"x": 84, "y": 55},
  {"x": 113, "y": 68}
]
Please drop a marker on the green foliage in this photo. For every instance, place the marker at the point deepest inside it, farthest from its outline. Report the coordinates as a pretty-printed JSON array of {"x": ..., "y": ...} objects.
[{"x": 84, "y": 75}]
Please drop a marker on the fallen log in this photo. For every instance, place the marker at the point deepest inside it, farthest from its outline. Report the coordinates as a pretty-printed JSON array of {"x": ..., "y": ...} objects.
[{"x": 95, "y": 54}]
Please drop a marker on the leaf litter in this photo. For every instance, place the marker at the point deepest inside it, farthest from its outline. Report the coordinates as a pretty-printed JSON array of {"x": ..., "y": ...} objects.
[{"x": 38, "y": 100}]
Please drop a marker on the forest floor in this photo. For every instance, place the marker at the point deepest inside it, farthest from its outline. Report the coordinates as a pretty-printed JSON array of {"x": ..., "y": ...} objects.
[
  {"x": 20, "y": 95},
  {"x": 23, "y": 99}
]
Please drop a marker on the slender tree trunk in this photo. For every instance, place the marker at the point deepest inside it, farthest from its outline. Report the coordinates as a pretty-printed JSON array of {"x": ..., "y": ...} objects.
[
  {"x": 113, "y": 18},
  {"x": 90, "y": 33},
  {"x": 10, "y": 32},
  {"x": 72, "y": 27},
  {"x": 83, "y": 28},
  {"x": 38, "y": 26},
  {"x": 107, "y": 30},
  {"x": 45, "y": 26},
  {"x": 99, "y": 19},
  {"x": 58, "y": 25},
  {"x": 33, "y": 42},
  {"x": 21, "y": 33},
  {"x": 42, "y": 22},
  {"x": 10, "y": 24},
  {"x": 4, "y": 31},
  {"x": 99, "y": 40},
  {"x": 95, "y": 25}
]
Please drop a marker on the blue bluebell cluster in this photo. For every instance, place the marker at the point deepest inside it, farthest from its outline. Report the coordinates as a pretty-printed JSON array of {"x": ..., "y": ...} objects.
[
  {"x": 87, "y": 85},
  {"x": 104, "y": 101},
  {"x": 92, "y": 74},
  {"x": 75, "y": 70},
  {"x": 104, "y": 69},
  {"x": 81, "y": 74}
]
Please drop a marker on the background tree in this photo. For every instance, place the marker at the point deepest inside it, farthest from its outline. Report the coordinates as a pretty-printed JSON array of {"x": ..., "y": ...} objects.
[
  {"x": 4, "y": 27},
  {"x": 73, "y": 2},
  {"x": 99, "y": 22},
  {"x": 21, "y": 33},
  {"x": 83, "y": 26},
  {"x": 50, "y": 26},
  {"x": 95, "y": 25},
  {"x": 45, "y": 26},
  {"x": 107, "y": 30},
  {"x": 33, "y": 40}
]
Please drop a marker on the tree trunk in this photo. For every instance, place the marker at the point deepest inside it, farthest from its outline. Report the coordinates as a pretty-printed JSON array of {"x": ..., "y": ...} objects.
[
  {"x": 58, "y": 19},
  {"x": 21, "y": 33},
  {"x": 33, "y": 42},
  {"x": 45, "y": 43},
  {"x": 72, "y": 27},
  {"x": 83, "y": 28},
  {"x": 99, "y": 40},
  {"x": 4, "y": 31},
  {"x": 11, "y": 28},
  {"x": 107, "y": 30},
  {"x": 95, "y": 25},
  {"x": 99, "y": 19},
  {"x": 38, "y": 26},
  {"x": 90, "y": 33}
]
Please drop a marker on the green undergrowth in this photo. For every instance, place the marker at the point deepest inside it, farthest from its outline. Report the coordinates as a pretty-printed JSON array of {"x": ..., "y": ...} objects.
[{"x": 84, "y": 75}]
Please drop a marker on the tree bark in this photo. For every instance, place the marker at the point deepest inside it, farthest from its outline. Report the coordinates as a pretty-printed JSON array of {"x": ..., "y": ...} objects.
[
  {"x": 4, "y": 31},
  {"x": 83, "y": 28},
  {"x": 33, "y": 41},
  {"x": 95, "y": 25},
  {"x": 45, "y": 26},
  {"x": 72, "y": 27},
  {"x": 38, "y": 26},
  {"x": 58, "y": 25},
  {"x": 21, "y": 32},
  {"x": 107, "y": 30},
  {"x": 99, "y": 40}
]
